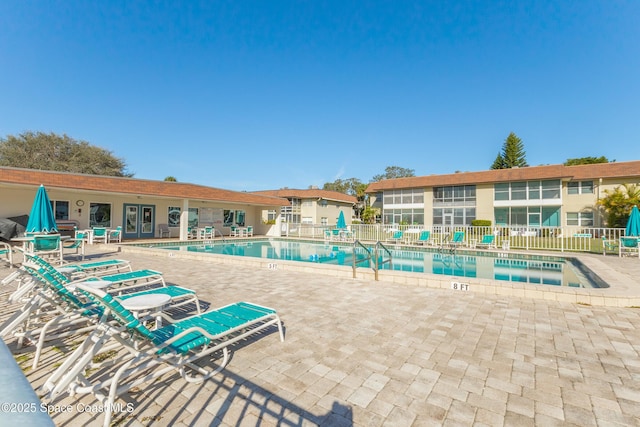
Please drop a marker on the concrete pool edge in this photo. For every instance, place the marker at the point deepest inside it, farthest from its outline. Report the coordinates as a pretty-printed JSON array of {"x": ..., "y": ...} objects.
[{"x": 623, "y": 291}]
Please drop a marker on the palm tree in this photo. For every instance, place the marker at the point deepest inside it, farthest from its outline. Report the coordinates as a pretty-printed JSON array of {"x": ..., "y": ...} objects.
[{"x": 618, "y": 203}]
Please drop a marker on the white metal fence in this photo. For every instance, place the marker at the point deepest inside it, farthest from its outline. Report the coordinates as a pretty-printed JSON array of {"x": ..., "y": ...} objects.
[{"x": 573, "y": 239}]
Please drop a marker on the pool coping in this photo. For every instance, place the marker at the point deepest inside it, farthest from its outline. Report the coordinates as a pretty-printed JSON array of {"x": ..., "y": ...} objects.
[{"x": 623, "y": 291}]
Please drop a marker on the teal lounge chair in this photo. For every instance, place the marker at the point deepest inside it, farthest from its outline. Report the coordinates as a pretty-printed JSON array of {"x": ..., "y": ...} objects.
[
  {"x": 424, "y": 238},
  {"x": 131, "y": 279},
  {"x": 629, "y": 245},
  {"x": 178, "y": 347},
  {"x": 396, "y": 237},
  {"x": 95, "y": 268},
  {"x": 488, "y": 241},
  {"x": 55, "y": 297},
  {"x": 457, "y": 239}
]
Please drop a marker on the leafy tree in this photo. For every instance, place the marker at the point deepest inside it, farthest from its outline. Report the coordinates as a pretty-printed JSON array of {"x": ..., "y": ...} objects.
[
  {"x": 39, "y": 150},
  {"x": 171, "y": 179},
  {"x": 353, "y": 187},
  {"x": 618, "y": 203},
  {"x": 392, "y": 172},
  {"x": 586, "y": 161},
  {"x": 513, "y": 154}
]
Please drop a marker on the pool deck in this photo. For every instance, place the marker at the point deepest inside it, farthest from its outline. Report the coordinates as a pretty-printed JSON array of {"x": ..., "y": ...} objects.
[{"x": 372, "y": 353}]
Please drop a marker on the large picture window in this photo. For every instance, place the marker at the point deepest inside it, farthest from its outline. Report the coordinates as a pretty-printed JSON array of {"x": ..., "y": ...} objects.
[
  {"x": 459, "y": 195},
  {"x": 100, "y": 215},
  {"x": 411, "y": 196}
]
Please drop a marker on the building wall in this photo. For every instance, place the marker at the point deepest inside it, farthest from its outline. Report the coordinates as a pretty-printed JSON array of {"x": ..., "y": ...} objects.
[
  {"x": 17, "y": 200},
  {"x": 485, "y": 204}
]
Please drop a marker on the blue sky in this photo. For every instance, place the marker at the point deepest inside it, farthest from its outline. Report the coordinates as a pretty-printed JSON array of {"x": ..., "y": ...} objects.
[{"x": 255, "y": 95}]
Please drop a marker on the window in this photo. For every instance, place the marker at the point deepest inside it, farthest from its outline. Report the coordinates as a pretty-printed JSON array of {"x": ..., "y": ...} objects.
[
  {"x": 518, "y": 191},
  {"x": 240, "y": 218},
  {"x": 531, "y": 190},
  {"x": 173, "y": 216},
  {"x": 501, "y": 191},
  {"x": 404, "y": 197},
  {"x": 60, "y": 209},
  {"x": 580, "y": 187},
  {"x": 100, "y": 215},
  {"x": 582, "y": 219},
  {"x": 534, "y": 190},
  {"x": 459, "y": 195},
  {"x": 228, "y": 217},
  {"x": 194, "y": 217},
  {"x": 518, "y": 216},
  {"x": 307, "y": 203},
  {"x": 403, "y": 216},
  {"x": 324, "y": 221},
  {"x": 307, "y": 220},
  {"x": 551, "y": 189},
  {"x": 323, "y": 203},
  {"x": 272, "y": 215}
]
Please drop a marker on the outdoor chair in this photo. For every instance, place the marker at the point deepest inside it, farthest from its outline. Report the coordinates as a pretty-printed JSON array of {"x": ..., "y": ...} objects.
[
  {"x": 629, "y": 246},
  {"x": 396, "y": 237},
  {"x": 6, "y": 253},
  {"x": 76, "y": 244},
  {"x": 57, "y": 298},
  {"x": 457, "y": 239},
  {"x": 424, "y": 238},
  {"x": 180, "y": 347},
  {"x": 48, "y": 246},
  {"x": 609, "y": 245},
  {"x": 115, "y": 235},
  {"x": 249, "y": 231},
  {"x": 209, "y": 232},
  {"x": 99, "y": 235},
  {"x": 164, "y": 231},
  {"x": 233, "y": 231},
  {"x": 488, "y": 241}
]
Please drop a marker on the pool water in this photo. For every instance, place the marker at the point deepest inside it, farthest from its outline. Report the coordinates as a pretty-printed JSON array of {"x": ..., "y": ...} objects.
[{"x": 544, "y": 270}]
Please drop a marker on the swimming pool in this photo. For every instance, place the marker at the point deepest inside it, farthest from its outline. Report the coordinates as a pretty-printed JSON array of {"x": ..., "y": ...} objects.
[{"x": 501, "y": 266}]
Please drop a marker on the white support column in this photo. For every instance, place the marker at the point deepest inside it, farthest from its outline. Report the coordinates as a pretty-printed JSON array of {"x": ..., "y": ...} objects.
[{"x": 184, "y": 220}]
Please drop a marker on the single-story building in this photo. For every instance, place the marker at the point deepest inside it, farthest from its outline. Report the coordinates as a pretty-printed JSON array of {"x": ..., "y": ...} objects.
[
  {"x": 140, "y": 206},
  {"x": 312, "y": 206}
]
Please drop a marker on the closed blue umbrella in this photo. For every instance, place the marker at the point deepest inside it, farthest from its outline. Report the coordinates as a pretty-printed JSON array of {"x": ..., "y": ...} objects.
[
  {"x": 41, "y": 218},
  {"x": 341, "y": 222},
  {"x": 633, "y": 224}
]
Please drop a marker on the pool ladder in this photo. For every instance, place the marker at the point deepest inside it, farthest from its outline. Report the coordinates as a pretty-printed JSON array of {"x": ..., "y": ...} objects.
[
  {"x": 446, "y": 245},
  {"x": 377, "y": 261}
]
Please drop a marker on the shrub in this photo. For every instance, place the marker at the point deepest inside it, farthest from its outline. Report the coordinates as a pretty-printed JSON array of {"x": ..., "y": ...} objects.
[{"x": 481, "y": 223}]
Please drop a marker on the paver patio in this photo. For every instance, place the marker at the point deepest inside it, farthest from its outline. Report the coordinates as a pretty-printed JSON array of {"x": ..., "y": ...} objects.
[{"x": 374, "y": 353}]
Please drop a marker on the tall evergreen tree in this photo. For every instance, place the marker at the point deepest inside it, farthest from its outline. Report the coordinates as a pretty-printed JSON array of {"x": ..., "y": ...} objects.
[
  {"x": 513, "y": 154},
  {"x": 498, "y": 163}
]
